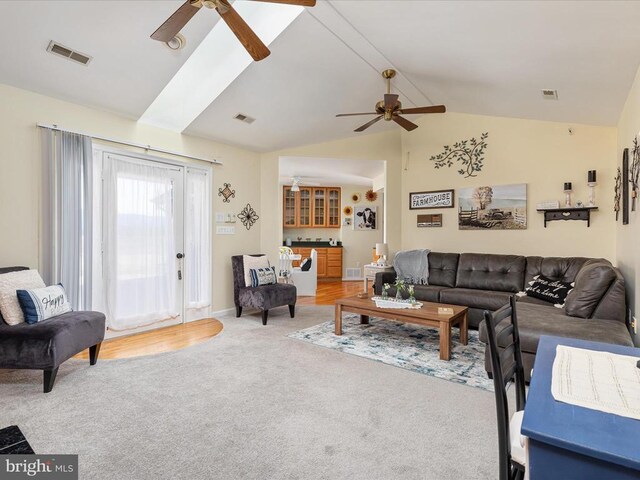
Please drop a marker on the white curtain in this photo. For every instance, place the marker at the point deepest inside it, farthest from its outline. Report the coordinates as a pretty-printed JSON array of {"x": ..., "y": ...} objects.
[
  {"x": 139, "y": 250},
  {"x": 198, "y": 243},
  {"x": 67, "y": 183}
]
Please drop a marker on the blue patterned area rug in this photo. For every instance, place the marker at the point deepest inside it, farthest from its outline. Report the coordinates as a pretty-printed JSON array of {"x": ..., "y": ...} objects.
[{"x": 412, "y": 347}]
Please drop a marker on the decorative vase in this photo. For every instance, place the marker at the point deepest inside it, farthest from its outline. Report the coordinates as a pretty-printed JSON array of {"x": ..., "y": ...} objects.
[
  {"x": 398, "y": 294},
  {"x": 412, "y": 298}
]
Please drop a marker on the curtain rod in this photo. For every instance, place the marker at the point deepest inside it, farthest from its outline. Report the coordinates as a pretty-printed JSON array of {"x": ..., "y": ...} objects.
[{"x": 129, "y": 144}]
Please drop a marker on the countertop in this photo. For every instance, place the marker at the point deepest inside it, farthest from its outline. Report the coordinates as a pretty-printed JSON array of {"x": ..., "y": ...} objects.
[{"x": 313, "y": 244}]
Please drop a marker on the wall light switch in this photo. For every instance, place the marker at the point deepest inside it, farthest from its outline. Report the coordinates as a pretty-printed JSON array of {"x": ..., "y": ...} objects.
[
  {"x": 220, "y": 217},
  {"x": 225, "y": 230}
]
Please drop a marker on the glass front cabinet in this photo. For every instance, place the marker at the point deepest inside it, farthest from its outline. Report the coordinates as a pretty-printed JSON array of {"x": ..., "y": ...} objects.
[{"x": 311, "y": 207}]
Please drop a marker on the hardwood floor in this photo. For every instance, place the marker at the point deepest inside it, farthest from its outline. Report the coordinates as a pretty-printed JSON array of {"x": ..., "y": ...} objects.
[
  {"x": 328, "y": 292},
  {"x": 161, "y": 340},
  {"x": 180, "y": 336}
]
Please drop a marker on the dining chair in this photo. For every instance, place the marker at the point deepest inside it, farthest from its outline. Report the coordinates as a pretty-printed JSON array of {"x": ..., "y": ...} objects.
[
  {"x": 306, "y": 281},
  {"x": 502, "y": 331},
  {"x": 285, "y": 254}
]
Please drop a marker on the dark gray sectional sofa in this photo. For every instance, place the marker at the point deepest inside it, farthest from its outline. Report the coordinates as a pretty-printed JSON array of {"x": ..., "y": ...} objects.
[{"x": 594, "y": 310}]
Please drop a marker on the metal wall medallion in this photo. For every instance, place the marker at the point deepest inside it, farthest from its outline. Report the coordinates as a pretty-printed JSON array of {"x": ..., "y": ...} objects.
[
  {"x": 248, "y": 216},
  {"x": 469, "y": 154},
  {"x": 226, "y": 193}
]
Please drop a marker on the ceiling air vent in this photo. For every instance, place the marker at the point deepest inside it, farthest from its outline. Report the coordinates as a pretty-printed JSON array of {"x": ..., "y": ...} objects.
[
  {"x": 68, "y": 53},
  {"x": 550, "y": 94},
  {"x": 244, "y": 118}
]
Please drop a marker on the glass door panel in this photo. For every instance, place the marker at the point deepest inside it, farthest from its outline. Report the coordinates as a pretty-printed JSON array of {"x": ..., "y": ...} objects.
[
  {"x": 289, "y": 206},
  {"x": 304, "y": 218},
  {"x": 143, "y": 225},
  {"x": 319, "y": 204},
  {"x": 333, "y": 219}
]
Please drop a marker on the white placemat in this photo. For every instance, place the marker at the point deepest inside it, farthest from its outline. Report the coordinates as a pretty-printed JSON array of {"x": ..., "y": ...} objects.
[{"x": 598, "y": 380}]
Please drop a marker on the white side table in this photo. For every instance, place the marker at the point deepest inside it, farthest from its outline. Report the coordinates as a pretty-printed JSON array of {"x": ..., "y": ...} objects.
[{"x": 370, "y": 271}]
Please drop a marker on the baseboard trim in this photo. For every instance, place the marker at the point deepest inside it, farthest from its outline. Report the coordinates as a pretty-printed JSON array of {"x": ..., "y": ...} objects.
[
  {"x": 361, "y": 279},
  {"x": 221, "y": 313}
]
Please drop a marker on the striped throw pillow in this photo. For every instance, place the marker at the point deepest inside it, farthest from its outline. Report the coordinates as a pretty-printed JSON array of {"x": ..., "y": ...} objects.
[{"x": 263, "y": 276}]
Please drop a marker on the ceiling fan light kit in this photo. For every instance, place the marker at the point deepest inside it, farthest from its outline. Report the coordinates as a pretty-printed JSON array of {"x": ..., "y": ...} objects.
[
  {"x": 390, "y": 108},
  {"x": 168, "y": 31},
  {"x": 177, "y": 43}
]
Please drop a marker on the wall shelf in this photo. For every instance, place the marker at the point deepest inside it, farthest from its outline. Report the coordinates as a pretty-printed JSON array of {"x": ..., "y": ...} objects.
[{"x": 571, "y": 213}]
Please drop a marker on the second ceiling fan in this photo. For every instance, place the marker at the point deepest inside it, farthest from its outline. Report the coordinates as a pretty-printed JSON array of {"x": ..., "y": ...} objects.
[
  {"x": 256, "y": 48},
  {"x": 390, "y": 109}
]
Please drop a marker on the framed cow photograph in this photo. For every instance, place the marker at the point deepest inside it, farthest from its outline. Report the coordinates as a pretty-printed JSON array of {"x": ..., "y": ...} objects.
[{"x": 364, "y": 218}]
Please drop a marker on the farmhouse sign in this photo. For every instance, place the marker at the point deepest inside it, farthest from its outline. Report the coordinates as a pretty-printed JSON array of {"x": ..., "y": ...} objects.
[{"x": 435, "y": 199}]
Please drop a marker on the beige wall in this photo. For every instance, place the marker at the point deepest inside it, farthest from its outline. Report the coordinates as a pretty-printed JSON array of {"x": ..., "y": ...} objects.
[
  {"x": 628, "y": 246},
  {"x": 357, "y": 244},
  {"x": 381, "y": 146},
  {"x": 20, "y": 176},
  {"x": 541, "y": 154}
]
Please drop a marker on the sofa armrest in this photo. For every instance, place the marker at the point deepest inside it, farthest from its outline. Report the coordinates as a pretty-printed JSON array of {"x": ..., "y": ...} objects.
[{"x": 381, "y": 279}]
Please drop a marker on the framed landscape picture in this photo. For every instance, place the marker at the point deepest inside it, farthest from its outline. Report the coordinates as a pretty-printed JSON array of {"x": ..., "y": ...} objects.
[
  {"x": 433, "y": 199},
  {"x": 501, "y": 207}
]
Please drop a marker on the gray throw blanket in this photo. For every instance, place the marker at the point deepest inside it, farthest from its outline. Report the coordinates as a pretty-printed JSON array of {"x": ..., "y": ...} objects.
[{"x": 412, "y": 266}]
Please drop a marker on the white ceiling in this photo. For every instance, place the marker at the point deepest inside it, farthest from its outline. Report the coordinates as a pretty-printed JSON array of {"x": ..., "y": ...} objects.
[
  {"x": 330, "y": 171},
  {"x": 128, "y": 69},
  {"x": 477, "y": 57}
]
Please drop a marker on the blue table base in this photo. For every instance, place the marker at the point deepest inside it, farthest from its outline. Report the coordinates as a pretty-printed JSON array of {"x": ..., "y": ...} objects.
[{"x": 552, "y": 463}]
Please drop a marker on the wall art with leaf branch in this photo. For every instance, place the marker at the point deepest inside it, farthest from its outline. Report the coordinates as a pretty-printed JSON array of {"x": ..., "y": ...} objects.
[{"x": 466, "y": 154}]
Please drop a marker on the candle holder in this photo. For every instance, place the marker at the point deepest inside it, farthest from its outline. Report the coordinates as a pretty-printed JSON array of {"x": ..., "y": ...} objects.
[
  {"x": 567, "y": 198},
  {"x": 568, "y": 188},
  {"x": 592, "y": 194}
]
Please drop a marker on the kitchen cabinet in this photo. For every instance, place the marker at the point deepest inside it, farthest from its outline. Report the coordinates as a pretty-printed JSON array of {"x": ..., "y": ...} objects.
[
  {"x": 311, "y": 207},
  {"x": 329, "y": 260}
]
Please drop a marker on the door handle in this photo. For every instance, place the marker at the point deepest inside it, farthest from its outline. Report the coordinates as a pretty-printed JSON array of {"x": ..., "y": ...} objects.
[{"x": 180, "y": 256}]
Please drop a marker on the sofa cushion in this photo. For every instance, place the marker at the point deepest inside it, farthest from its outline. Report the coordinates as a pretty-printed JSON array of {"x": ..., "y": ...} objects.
[
  {"x": 250, "y": 262},
  {"x": 592, "y": 283},
  {"x": 443, "y": 268},
  {"x": 49, "y": 343},
  {"x": 424, "y": 293},
  {"x": 535, "y": 301},
  {"x": 9, "y": 284},
  {"x": 9, "y": 270},
  {"x": 537, "y": 320},
  {"x": 483, "y": 299},
  {"x": 268, "y": 296},
  {"x": 548, "y": 289},
  {"x": 39, "y": 304},
  {"x": 504, "y": 273},
  {"x": 557, "y": 268}
]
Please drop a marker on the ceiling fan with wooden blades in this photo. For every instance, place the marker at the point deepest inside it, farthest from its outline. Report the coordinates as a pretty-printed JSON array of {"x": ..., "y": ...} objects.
[
  {"x": 390, "y": 109},
  {"x": 256, "y": 48}
]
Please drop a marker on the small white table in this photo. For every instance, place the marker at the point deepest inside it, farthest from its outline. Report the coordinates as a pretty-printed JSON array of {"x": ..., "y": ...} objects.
[{"x": 370, "y": 271}]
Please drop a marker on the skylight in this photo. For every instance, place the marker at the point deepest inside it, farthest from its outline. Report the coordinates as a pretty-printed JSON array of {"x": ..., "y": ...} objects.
[{"x": 215, "y": 64}]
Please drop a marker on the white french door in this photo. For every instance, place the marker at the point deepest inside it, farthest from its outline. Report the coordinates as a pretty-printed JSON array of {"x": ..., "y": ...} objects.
[{"x": 143, "y": 242}]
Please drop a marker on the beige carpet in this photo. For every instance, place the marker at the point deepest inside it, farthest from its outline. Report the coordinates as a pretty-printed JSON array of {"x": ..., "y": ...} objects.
[{"x": 252, "y": 403}]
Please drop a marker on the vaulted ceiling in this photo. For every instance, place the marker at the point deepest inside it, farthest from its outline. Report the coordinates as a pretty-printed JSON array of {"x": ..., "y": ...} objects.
[{"x": 477, "y": 57}]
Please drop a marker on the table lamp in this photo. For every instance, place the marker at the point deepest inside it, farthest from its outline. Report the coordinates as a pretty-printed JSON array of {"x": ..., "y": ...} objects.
[{"x": 382, "y": 250}]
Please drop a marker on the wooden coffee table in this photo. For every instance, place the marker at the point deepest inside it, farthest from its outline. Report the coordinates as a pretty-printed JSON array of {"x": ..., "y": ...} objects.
[{"x": 426, "y": 315}]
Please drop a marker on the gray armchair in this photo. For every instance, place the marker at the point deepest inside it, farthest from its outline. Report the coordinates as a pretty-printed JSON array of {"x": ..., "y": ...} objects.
[
  {"x": 261, "y": 298},
  {"x": 45, "y": 345}
]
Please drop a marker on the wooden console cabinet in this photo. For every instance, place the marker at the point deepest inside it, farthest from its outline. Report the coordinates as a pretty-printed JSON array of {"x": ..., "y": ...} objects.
[{"x": 329, "y": 260}]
